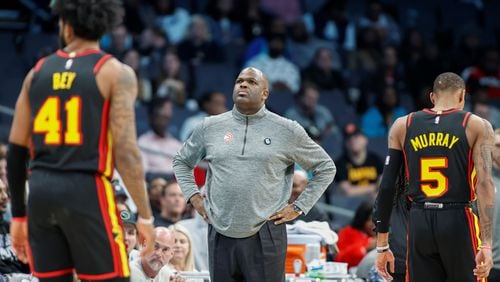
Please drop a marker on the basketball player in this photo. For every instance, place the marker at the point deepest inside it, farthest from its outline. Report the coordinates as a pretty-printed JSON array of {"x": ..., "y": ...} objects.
[
  {"x": 447, "y": 156},
  {"x": 75, "y": 117}
]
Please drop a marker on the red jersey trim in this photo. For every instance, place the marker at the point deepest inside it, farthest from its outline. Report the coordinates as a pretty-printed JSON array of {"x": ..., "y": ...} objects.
[
  {"x": 52, "y": 274},
  {"x": 103, "y": 138},
  {"x": 466, "y": 119},
  {"x": 408, "y": 120},
  {"x": 101, "y": 61},
  {"x": 429, "y": 111},
  {"x": 63, "y": 54},
  {"x": 20, "y": 219},
  {"x": 39, "y": 64}
]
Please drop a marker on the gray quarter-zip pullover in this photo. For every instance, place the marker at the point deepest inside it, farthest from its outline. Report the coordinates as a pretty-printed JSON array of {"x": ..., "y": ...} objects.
[{"x": 250, "y": 168}]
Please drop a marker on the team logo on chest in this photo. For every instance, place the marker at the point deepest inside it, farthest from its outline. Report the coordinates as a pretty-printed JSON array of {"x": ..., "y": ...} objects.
[
  {"x": 267, "y": 141},
  {"x": 228, "y": 137}
]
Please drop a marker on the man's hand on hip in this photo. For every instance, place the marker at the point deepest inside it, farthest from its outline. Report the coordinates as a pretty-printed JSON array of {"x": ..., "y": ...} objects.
[
  {"x": 197, "y": 201},
  {"x": 286, "y": 214}
]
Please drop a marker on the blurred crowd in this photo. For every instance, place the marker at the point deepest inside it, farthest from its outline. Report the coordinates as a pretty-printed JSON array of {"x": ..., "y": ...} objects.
[{"x": 344, "y": 75}]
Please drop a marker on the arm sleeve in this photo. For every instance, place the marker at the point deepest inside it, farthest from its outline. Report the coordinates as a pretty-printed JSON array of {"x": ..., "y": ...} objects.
[
  {"x": 387, "y": 190},
  {"x": 312, "y": 157},
  {"x": 17, "y": 157},
  {"x": 186, "y": 159}
]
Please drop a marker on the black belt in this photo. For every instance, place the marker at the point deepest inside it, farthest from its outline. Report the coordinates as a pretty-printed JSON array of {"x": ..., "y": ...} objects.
[{"x": 440, "y": 206}]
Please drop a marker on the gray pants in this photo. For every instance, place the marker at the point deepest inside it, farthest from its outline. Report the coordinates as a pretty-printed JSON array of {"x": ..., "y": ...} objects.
[{"x": 258, "y": 258}]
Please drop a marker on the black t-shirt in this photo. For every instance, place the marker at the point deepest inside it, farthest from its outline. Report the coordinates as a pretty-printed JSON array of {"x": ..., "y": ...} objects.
[{"x": 362, "y": 174}]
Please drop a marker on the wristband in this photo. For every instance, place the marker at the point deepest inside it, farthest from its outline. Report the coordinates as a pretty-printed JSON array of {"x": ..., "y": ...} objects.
[
  {"x": 149, "y": 221},
  {"x": 382, "y": 249},
  {"x": 486, "y": 247}
]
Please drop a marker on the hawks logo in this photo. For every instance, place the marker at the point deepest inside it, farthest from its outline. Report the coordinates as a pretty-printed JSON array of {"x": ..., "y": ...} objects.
[{"x": 228, "y": 137}]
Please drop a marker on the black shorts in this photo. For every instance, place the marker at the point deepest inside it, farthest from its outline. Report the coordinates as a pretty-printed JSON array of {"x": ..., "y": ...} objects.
[
  {"x": 74, "y": 226},
  {"x": 442, "y": 244}
]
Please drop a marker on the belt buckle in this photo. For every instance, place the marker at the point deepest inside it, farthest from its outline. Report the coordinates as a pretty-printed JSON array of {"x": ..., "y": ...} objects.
[{"x": 430, "y": 205}]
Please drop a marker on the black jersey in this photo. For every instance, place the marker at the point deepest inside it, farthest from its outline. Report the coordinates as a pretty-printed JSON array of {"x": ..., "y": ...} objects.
[
  {"x": 69, "y": 115},
  {"x": 438, "y": 157}
]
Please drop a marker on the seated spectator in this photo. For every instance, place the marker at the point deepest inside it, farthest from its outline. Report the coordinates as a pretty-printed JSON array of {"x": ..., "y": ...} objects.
[
  {"x": 198, "y": 229},
  {"x": 299, "y": 185},
  {"x": 173, "y": 80},
  {"x": 183, "y": 249},
  {"x": 377, "y": 120},
  {"x": 483, "y": 107},
  {"x": 154, "y": 267},
  {"x": 486, "y": 74},
  {"x": 210, "y": 103},
  {"x": 199, "y": 46},
  {"x": 152, "y": 45},
  {"x": 358, "y": 173},
  {"x": 282, "y": 74},
  {"x": 132, "y": 58},
  {"x": 321, "y": 72},
  {"x": 316, "y": 119},
  {"x": 377, "y": 18},
  {"x": 157, "y": 146},
  {"x": 173, "y": 205},
  {"x": 172, "y": 19},
  {"x": 155, "y": 188},
  {"x": 9, "y": 264},
  {"x": 223, "y": 21},
  {"x": 130, "y": 231},
  {"x": 119, "y": 41},
  {"x": 357, "y": 239}
]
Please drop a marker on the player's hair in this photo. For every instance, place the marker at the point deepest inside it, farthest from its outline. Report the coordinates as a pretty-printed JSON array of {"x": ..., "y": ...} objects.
[
  {"x": 362, "y": 215},
  {"x": 90, "y": 19},
  {"x": 448, "y": 82}
]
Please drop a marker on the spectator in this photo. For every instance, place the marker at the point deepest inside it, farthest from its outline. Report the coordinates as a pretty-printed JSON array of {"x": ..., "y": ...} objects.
[
  {"x": 357, "y": 239},
  {"x": 358, "y": 171},
  {"x": 321, "y": 72},
  {"x": 173, "y": 20},
  {"x": 172, "y": 205},
  {"x": 132, "y": 58},
  {"x": 299, "y": 185},
  {"x": 483, "y": 107},
  {"x": 282, "y": 74},
  {"x": 173, "y": 79},
  {"x": 9, "y": 263},
  {"x": 183, "y": 249},
  {"x": 120, "y": 191},
  {"x": 198, "y": 229},
  {"x": 288, "y": 10},
  {"x": 391, "y": 72},
  {"x": 3, "y": 168},
  {"x": 210, "y": 103},
  {"x": 468, "y": 52},
  {"x": 199, "y": 46},
  {"x": 316, "y": 119},
  {"x": 260, "y": 44},
  {"x": 156, "y": 187},
  {"x": 130, "y": 229},
  {"x": 152, "y": 45},
  {"x": 486, "y": 74},
  {"x": 154, "y": 267},
  {"x": 332, "y": 24},
  {"x": 378, "y": 118},
  {"x": 302, "y": 46},
  {"x": 495, "y": 271},
  {"x": 158, "y": 147},
  {"x": 385, "y": 26},
  {"x": 253, "y": 18},
  {"x": 223, "y": 21},
  {"x": 120, "y": 41}
]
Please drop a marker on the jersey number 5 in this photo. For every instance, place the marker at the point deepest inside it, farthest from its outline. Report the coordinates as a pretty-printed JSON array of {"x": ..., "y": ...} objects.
[
  {"x": 433, "y": 182},
  {"x": 48, "y": 121}
]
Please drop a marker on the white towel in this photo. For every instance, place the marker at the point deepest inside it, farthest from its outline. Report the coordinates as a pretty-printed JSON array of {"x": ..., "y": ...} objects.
[{"x": 320, "y": 228}]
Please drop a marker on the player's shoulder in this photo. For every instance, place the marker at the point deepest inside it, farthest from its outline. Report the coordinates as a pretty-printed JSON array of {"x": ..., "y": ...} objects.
[{"x": 477, "y": 122}]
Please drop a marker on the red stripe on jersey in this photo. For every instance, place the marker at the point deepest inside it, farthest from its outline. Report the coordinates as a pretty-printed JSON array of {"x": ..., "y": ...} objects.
[
  {"x": 407, "y": 170},
  {"x": 39, "y": 64},
  {"x": 96, "y": 276},
  {"x": 103, "y": 138},
  {"x": 53, "y": 274},
  {"x": 470, "y": 167},
  {"x": 472, "y": 230},
  {"x": 466, "y": 118},
  {"x": 408, "y": 120},
  {"x": 103, "y": 204},
  {"x": 101, "y": 61},
  {"x": 429, "y": 111},
  {"x": 63, "y": 54}
]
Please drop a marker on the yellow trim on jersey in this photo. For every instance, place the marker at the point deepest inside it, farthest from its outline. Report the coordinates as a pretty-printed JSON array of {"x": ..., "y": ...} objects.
[
  {"x": 109, "y": 156},
  {"x": 116, "y": 229},
  {"x": 476, "y": 227}
]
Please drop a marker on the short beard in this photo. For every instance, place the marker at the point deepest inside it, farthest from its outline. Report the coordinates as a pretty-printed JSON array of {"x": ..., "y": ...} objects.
[{"x": 155, "y": 266}]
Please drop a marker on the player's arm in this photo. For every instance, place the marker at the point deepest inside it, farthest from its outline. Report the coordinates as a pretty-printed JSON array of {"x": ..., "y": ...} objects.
[
  {"x": 19, "y": 149},
  {"x": 482, "y": 150},
  {"x": 122, "y": 125},
  {"x": 387, "y": 189}
]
